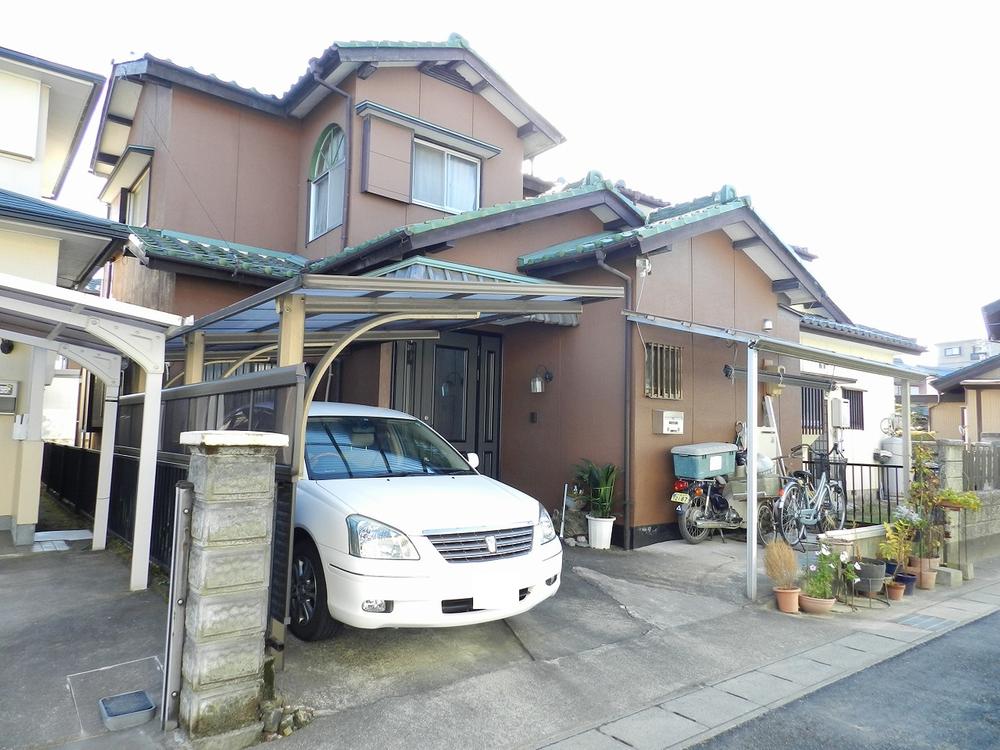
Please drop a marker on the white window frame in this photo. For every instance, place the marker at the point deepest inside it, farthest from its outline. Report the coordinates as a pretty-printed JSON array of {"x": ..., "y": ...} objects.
[
  {"x": 952, "y": 351},
  {"x": 312, "y": 233},
  {"x": 455, "y": 154},
  {"x": 135, "y": 192}
]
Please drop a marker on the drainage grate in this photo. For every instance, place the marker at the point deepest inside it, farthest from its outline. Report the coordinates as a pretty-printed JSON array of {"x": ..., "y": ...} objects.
[{"x": 925, "y": 622}]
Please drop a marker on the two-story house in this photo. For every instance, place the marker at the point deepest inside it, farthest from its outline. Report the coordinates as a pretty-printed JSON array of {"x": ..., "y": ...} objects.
[{"x": 402, "y": 159}]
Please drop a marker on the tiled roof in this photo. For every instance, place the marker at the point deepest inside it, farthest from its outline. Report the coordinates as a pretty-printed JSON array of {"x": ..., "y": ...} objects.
[
  {"x": 955, "y": 378},
  {"x": 817, "y": 323},
  {"x": 218, "y": 254},
  {"x": 38, "y": 211},
  {"x": 669, "y": 218},
  {"x": 591, "y": 184},
  {"x": 456, "y": 41}
]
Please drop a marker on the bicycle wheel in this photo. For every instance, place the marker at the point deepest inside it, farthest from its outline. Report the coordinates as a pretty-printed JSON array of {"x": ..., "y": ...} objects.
[
  {"x": 834, "y": 509},
  {"x": 767, "y": 530},
  {"x": 790, "y": 524}
]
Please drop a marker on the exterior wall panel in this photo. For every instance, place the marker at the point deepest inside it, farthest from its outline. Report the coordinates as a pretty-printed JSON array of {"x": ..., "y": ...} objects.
[{"x": 387, "y": 159}]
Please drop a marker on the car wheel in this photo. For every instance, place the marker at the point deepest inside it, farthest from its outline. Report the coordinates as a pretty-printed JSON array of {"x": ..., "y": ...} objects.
[{"x": 310, "y": 614}]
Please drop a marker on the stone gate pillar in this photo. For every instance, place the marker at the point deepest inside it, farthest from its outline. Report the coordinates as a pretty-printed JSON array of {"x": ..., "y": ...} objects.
[{"x": 228, "y": 575}]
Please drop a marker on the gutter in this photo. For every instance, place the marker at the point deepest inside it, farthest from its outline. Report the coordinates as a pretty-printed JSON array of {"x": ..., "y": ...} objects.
[
  {"x": 601, "y": 257},
  {"x": 349, "y": 137}
]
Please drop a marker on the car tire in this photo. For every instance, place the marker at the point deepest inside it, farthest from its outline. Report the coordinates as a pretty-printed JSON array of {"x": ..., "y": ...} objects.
[{"x": 308, "y": 608}]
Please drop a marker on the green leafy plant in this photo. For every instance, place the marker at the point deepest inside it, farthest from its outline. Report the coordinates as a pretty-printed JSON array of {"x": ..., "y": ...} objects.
[
  {"x": 780, "y": 564},
  {"x": 600, "y": 480},
  {"x": 930, "y": 500},
  {"x": 899, "y": 535}
]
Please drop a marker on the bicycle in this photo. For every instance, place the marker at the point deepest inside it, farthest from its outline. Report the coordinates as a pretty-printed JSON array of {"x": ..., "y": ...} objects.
[{"x": 803, "y": 505}]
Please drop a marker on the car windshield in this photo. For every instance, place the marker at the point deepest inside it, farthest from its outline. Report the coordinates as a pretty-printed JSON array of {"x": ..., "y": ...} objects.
[{"x": 370, "y": 447}]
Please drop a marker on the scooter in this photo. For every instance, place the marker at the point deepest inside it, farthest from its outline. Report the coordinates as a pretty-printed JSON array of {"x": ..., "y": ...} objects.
[{"x": 718, "y": 504}]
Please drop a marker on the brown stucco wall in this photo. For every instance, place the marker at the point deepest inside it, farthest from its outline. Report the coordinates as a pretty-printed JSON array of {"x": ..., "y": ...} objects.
[
  {"x": 946, "y": 419},
  {"x": 706, "y": 281},
  {"x": 231, "y": 172},
  {"x": 198, "y": 296}
]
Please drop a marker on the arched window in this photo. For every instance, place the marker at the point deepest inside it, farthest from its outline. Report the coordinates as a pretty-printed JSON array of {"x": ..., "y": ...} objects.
[{"x": 326, "y": 182}]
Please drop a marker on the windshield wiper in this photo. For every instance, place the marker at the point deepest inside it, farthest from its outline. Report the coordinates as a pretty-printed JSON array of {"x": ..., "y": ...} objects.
[{"x": 452, "y": 472}]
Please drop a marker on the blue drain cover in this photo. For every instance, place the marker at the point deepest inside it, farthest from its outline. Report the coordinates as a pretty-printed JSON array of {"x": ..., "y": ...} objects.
[{"x": 126, "y": 710}]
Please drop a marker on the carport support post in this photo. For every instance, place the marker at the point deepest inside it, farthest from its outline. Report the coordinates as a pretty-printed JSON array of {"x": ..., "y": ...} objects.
[
  {"x": 194, "y": 357},
  {"x": 751, "y": 446},
  {"x": 907, "y": 441},
  {"x": 227, "y": 593},
  {"x": 105, "y": 465},
  {"x": 149, "y": 444}
]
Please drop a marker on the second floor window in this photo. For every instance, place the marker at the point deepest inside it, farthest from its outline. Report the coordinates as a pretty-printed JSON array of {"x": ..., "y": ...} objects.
[
  {"x": 952, "y": 351},
  {"x": 444, "y": 179},
  {"x": 137, "y": 202},
  {"x": 326, "y": 182}
]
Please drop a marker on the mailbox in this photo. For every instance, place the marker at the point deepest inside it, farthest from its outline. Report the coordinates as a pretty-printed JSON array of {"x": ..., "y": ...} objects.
[{"x": 668, "y": 422}]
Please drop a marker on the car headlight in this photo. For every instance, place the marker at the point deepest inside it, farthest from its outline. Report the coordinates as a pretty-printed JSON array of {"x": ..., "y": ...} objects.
[
  {"x": 545, "y": 524},
  {"x": 369, "y": 538}
]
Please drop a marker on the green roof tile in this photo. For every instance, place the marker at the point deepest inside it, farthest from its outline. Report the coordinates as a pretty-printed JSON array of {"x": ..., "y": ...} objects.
[
  {"x": 593, "y": 183},
  {"x": 211, "y": 253},
  {"x": 696, "y": 211}
]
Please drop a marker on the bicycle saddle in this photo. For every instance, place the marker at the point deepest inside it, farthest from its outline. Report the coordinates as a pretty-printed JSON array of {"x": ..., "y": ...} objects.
[{"x": 805, "y": 476}]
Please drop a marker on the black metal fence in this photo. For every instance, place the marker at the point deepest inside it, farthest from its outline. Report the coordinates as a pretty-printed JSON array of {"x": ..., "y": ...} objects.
[
  {"x": 261, "y": 401},
  {"x": 981, "y": 466},
  {"x": 872, "y": 490}
]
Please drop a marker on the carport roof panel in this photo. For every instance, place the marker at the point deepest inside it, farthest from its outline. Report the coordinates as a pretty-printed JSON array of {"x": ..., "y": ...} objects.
[
  {"x": 339, "y": 303},
  {"x": 46, "y": 311}
]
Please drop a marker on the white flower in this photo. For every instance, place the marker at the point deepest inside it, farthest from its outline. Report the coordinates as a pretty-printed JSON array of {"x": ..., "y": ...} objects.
[
  {"x": 812, "y": 568},
  {"x": 816, "y": 553},
  {"x": 857, "y": 566},
  {"x": 843, "y": 557},
  {"x": 825, "y": 550}
]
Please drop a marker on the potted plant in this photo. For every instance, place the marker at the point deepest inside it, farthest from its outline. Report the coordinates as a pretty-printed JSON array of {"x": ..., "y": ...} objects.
[
  {"x": 817, "y": 582},
  {"x": 871, "y": 576},
  {"x": 601, "y": 482},
  {"x": 782, "y": 567},
  {"x": 897, "y": 546}
]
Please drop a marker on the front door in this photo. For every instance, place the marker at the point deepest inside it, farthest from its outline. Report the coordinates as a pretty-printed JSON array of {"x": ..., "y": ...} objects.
[{"x": 453, "y": 384}]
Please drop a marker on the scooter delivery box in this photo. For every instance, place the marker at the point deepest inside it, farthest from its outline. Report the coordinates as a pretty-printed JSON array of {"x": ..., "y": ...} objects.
[{"x": 704, "y": 460}]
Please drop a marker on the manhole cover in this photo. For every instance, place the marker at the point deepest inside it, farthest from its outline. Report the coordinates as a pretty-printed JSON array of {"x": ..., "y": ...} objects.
[{"x": 924, "y": 622}]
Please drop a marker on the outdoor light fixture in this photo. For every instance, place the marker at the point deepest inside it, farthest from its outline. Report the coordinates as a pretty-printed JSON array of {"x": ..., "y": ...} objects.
[
  {"x": 540, "y": 378},
  {"x": 768, "y": 324},
  {"x": 6, "y": 347}
]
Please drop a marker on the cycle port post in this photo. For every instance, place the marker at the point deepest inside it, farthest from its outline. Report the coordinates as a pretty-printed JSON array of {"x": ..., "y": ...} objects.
[
  {"x": 752, "y": 398},
  {"x": 171, "y": 696}
]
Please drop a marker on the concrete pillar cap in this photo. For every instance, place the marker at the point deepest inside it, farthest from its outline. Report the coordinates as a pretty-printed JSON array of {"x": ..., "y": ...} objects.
[{"x": 234, "y": 438}]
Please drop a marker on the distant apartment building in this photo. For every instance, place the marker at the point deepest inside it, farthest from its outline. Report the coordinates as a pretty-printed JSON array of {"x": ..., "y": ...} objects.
[{"x": 951, "y": 355}]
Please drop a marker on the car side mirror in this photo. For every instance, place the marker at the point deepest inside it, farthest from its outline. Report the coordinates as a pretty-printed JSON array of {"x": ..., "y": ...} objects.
[{"x": 473, "y": 459}]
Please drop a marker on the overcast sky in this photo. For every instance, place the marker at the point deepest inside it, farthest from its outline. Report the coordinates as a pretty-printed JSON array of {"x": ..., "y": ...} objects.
[{"x": 867, "y": 132}]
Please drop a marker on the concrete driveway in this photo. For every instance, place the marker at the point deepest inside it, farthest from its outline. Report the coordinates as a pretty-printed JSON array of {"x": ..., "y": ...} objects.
[
  {"x": 71, "y": 633},
  {"x": 625, "y": 629}
]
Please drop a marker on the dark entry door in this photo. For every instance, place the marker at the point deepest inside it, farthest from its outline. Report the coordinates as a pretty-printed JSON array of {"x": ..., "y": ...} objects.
[{"x": 453, "y": 384}]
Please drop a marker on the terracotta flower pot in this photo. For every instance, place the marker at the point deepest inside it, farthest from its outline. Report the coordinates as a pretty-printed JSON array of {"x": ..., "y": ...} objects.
[
  {"x": 788, "y": 599},
  {"x": 895, "y": 590},
  {"x": 924, "y": 563},
  {"x": 814, "y": 606},
  {"x": 926, "y": 579}
]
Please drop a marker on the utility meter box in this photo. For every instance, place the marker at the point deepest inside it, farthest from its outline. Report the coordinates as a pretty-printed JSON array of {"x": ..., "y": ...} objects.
[
  {"x": 8, "y": 396},
  {"x": 840, "y": 413},
  {"x": 668, "y": 422}
]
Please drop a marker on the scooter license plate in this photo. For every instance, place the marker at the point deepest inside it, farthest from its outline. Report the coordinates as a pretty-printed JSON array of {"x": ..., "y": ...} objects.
[{"x": 680, "y": 497}]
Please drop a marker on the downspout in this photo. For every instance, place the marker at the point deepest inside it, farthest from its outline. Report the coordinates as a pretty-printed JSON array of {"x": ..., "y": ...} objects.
[
  {"x": 348, "y": 137},
  {"x": 629, "y": 458}
]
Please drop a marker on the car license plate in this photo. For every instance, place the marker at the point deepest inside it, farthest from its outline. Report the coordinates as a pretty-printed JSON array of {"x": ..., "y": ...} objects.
[
  {"x": 680, "y": 497},
  {"x": 502, "y": 599}
]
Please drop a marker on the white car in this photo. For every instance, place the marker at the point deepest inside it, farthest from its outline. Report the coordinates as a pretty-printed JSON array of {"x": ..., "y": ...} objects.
[{"x": 394, "y": 528}]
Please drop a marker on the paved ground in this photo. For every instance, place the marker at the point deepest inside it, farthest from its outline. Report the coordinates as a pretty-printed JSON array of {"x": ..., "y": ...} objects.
[
  {"x": 653, "y": 648},
  {"x": 941, "y": 694}
]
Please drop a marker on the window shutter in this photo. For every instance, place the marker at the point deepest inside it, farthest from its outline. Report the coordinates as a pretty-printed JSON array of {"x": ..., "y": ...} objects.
[{"x": 386, "y": 159}]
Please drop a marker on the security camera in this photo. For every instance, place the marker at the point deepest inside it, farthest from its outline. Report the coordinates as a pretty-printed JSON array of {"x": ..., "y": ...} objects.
[{"x": 6, "y": 347}]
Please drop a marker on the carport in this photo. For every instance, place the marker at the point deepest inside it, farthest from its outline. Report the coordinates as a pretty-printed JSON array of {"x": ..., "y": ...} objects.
[
  {"x": 96, "y": 333},
  {"x": 321, "y": 316},
  {"x": 756, "y": 342}
]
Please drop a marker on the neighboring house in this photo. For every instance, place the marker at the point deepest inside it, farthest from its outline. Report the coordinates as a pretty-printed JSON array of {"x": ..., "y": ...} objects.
[
  {"x": 403, "y": 160},
  {"x": 45, "y": 109},
  {"x": 969, "y": 402},
  {"x": 951, "y": 355},
  {"x": 871, "y": 398}
]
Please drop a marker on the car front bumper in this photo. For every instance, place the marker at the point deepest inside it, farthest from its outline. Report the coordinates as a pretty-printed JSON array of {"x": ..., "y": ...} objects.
[{"x": 450, "y": 594}]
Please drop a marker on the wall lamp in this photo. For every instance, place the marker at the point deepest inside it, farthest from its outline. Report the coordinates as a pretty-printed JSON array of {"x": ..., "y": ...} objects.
[
  {"x": 6, "y": 347},
  {"x": 540, "y": 378}
]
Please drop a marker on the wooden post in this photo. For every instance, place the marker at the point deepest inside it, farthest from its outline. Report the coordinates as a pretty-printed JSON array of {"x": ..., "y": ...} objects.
[
  {"x": 291, "y": 329},
  {"x": 194, "y": 357}
]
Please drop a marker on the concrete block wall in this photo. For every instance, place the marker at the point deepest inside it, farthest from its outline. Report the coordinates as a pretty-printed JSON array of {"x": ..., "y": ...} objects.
[{"x": 981, "y": 530}]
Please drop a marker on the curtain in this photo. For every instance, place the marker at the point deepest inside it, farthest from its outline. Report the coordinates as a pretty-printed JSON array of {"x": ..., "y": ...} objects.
[
  {"x": 462, "y": 184},
  {"x": 428, "y": 175}
]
